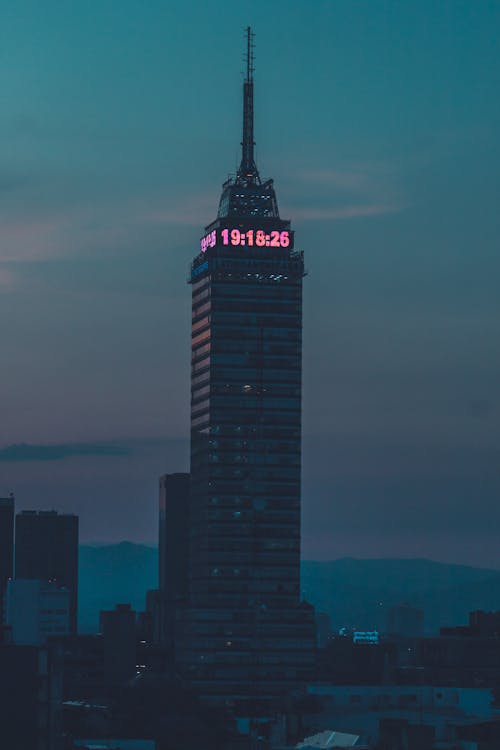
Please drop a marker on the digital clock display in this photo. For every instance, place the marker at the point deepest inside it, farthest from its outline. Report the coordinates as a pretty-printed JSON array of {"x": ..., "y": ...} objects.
[{"x": 250, "y": 238}]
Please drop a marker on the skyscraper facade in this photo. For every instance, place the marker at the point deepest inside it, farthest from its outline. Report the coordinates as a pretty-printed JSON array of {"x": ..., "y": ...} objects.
[
  {"x": 47, "y": 550},
  {"x": 249, "y": 640}
]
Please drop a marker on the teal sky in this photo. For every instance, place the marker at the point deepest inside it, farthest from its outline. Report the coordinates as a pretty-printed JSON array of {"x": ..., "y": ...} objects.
[{"x": 379, "y": 122}]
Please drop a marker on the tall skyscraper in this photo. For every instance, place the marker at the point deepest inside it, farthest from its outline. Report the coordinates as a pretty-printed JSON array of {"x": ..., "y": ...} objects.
[
  {"x": 249, "y": 640},
  {"x": 47, "y": 550},
  {"x": 6, "y": 548}
]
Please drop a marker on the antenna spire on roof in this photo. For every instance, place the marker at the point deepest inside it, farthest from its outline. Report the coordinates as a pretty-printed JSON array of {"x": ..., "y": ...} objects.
[
  {"x": 249, "y": 55},
  {"x": 248, "y": 169}
]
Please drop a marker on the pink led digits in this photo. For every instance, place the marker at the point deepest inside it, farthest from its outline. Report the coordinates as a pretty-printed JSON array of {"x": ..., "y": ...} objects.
[
  {"x": 257, "y": 237},
  {"x": 284, "y": 238},
  {"x": 209, "y": 240}
]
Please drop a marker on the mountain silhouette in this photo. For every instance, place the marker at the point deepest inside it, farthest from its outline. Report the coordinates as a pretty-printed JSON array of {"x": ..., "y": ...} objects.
[{"x": 355, "y": 593}]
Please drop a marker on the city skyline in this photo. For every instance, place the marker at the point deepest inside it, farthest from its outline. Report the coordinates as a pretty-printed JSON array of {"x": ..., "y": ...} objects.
[{"x": 388, "y": 172}]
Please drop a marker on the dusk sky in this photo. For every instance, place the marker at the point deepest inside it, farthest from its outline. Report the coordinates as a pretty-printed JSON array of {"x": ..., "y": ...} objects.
[{"x": 379, "y": 122}]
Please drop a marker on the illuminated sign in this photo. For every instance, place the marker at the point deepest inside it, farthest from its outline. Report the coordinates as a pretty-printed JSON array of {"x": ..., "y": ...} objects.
[
  {"x": 250, "y": 238},
  {"x": 209, "y": 240},
  {"x": 366, "y": 636}
]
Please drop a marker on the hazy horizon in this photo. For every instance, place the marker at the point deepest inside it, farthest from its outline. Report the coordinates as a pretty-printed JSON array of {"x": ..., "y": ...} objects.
[{"x": 151, "y": 545}]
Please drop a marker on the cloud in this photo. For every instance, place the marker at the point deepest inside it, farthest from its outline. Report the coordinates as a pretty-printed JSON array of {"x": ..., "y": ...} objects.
[
  {"x": 354, "y": 178},
  {"x": 6, "y": 278},
  {"x": 345, "y": 212},
  {"x": 80, "y": 225},
  {"x": 185, "y": 210},
  {"x": 58, "y": 452},
  {"x": 355, "y": 191},
  {"x": 31, "y": 238}
]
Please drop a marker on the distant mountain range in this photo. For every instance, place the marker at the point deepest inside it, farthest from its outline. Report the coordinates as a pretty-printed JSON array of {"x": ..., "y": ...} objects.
[
  {"x": 355, "y": 593},
  {"x": 358, "y": 593}
]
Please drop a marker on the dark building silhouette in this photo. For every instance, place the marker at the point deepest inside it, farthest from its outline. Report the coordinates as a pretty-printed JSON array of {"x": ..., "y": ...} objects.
[
  {"x": 462, "y": 655},
  {"x": 460, "y": 659},
  {"x": 82, "y": 666},
  {"x": 396, "y": 734},
  {"x": 117, "y": 627},
  {"x": 247, "y": 639},
  {"x": 6, "y": 549},
  {"x": 485, "y": 623},
  {"x": 345, "y": 662},
  {"x": 484, "y": 735},
  {"x": 323, "y": 628},
  {"x": 47, "y": 550},
  {"x": 30, "y": 698},
  {"x": 148, "y": 621},
  {"x": 173, "y": 551},
  {"x": 405, "y": 621}
]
